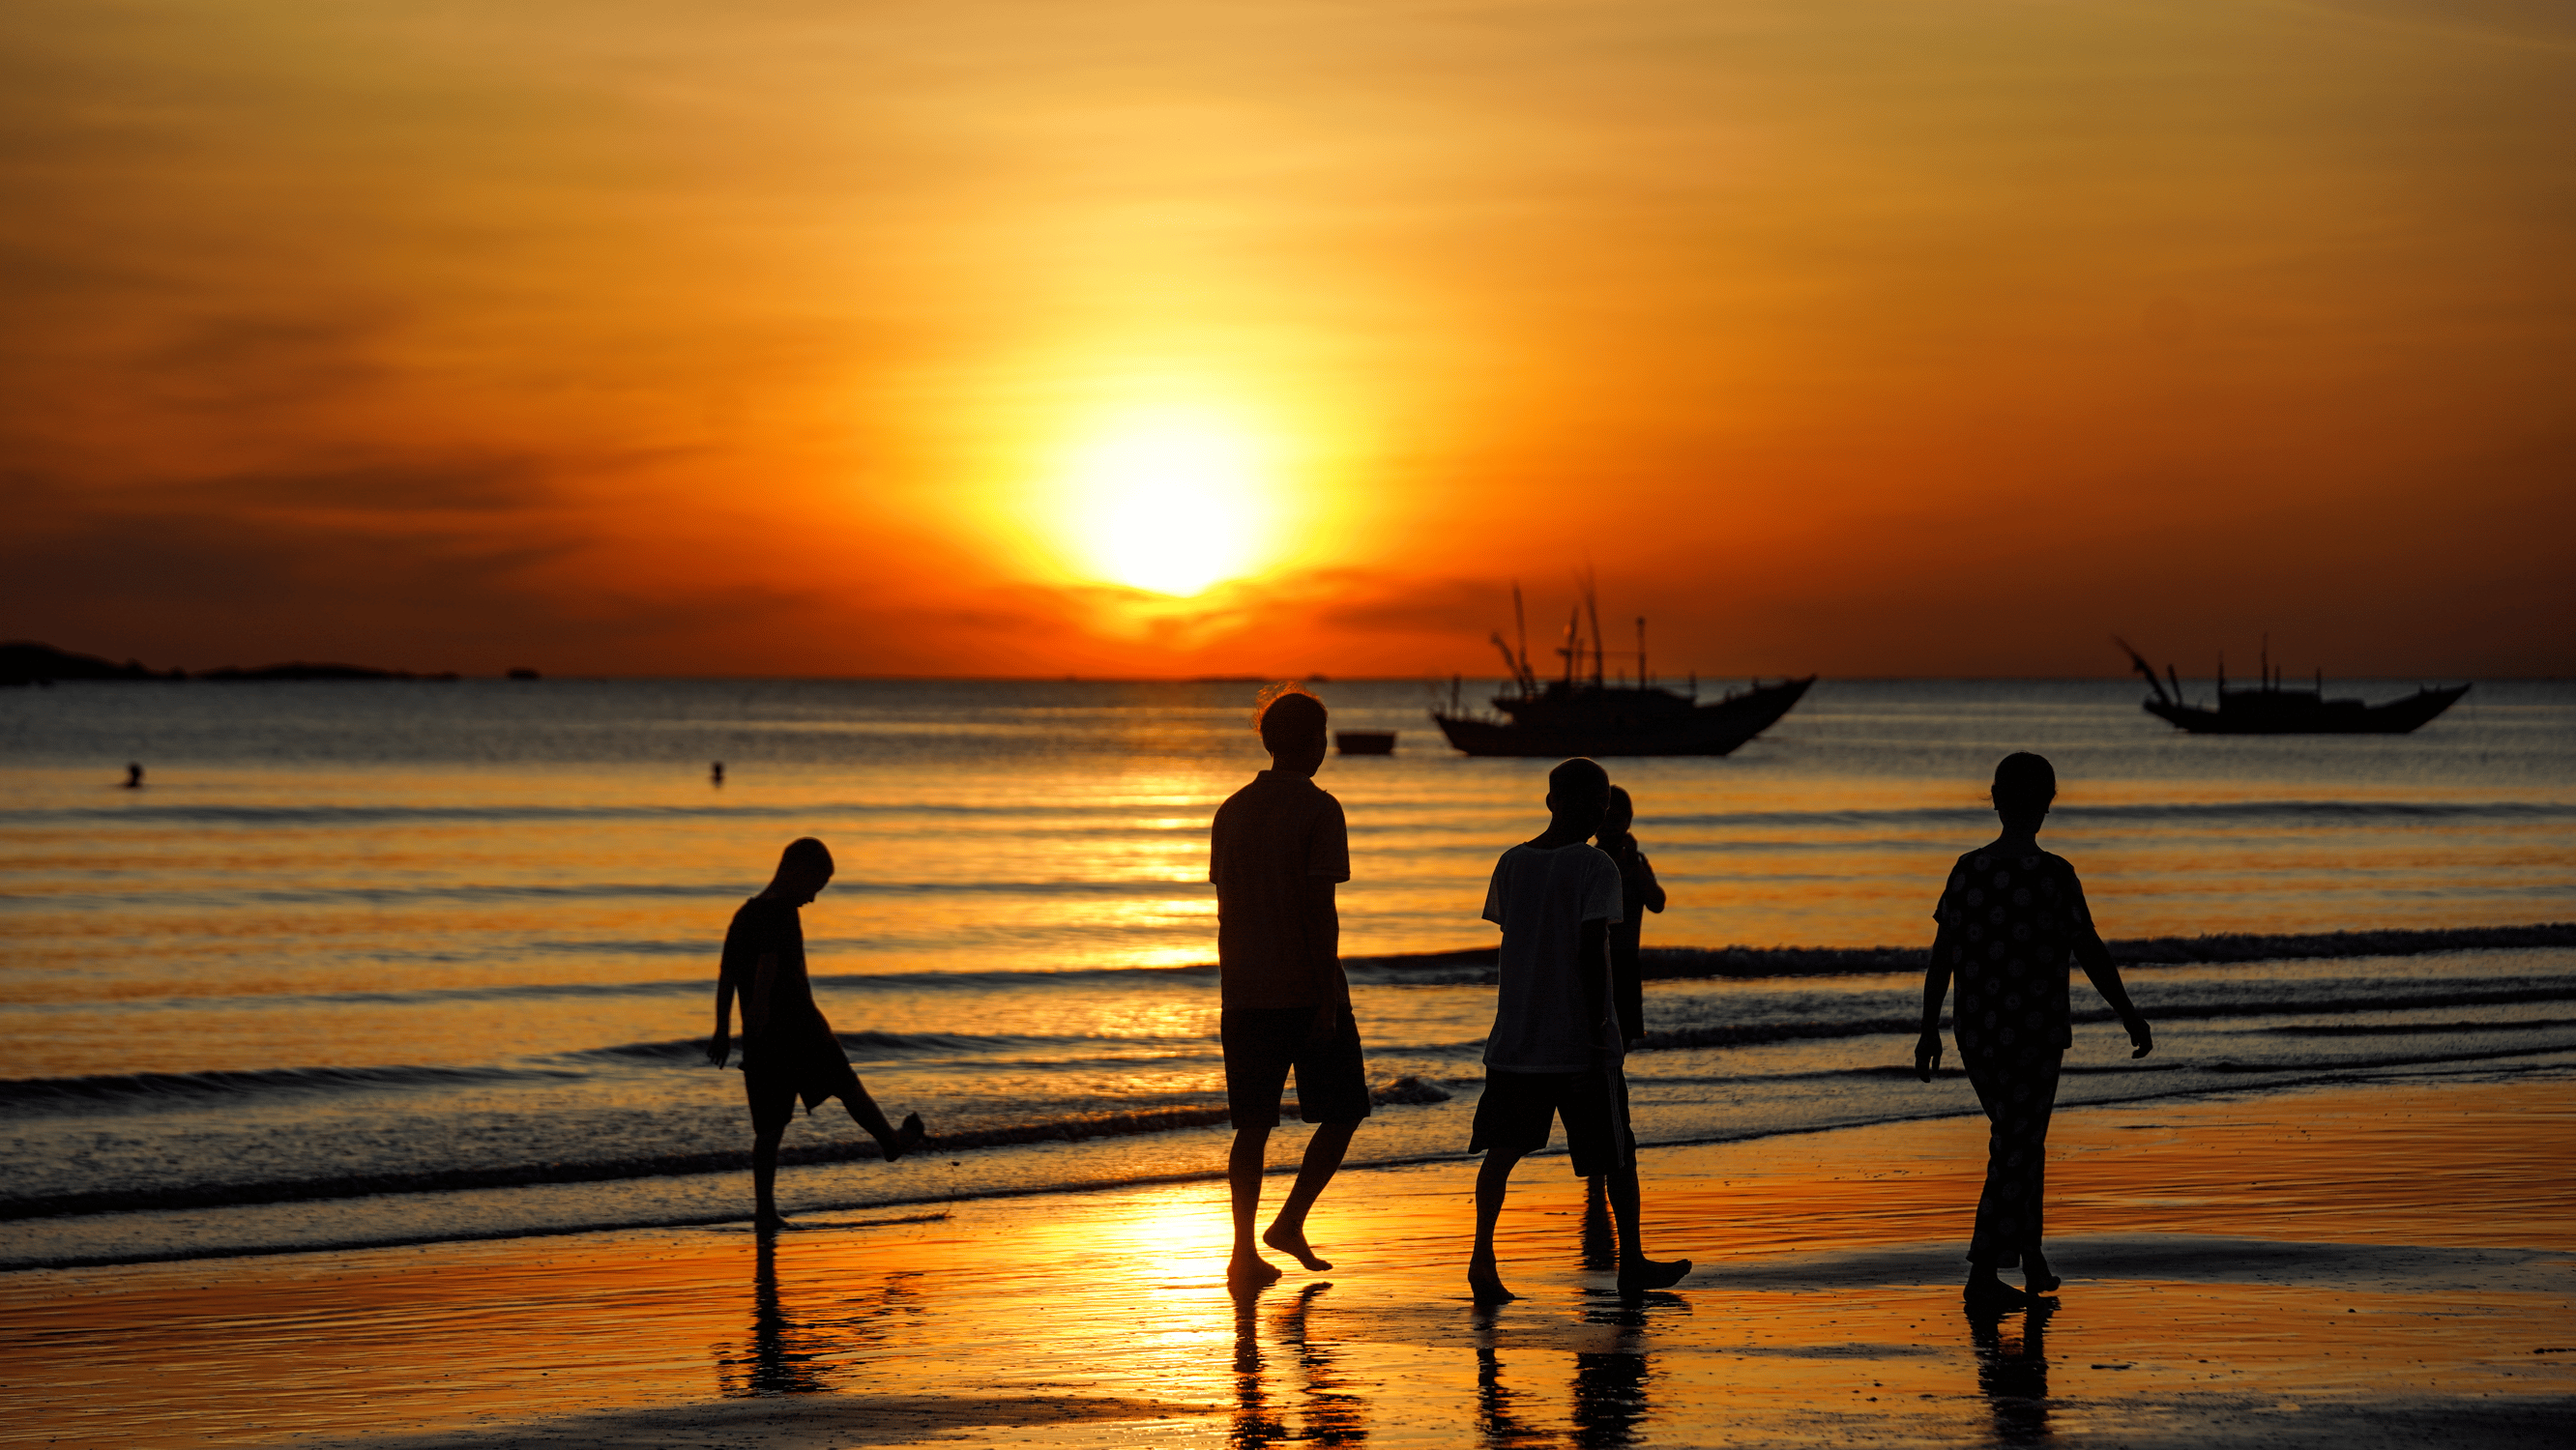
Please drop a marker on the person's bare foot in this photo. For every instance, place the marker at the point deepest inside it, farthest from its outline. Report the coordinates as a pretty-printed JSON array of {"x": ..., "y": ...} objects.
[
  {"x": 1985, "y": 1291},
  {"x": 1645, "y": 1274},
  {"x": 2035, "y": 1273},
  {"x": 906, "y": 1139},
  {"x": 1248, "y": 1270},
  {"x": 1292, "y": 1242},
  {"x": 1486, "y": 1282}
]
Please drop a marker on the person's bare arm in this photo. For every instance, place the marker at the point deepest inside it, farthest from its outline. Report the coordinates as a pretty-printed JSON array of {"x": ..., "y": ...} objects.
[
  {"x": 1324, "y": 958},
  {"x": 720, "y": 1046},
  {"x": 1654, "y": 888},
  {"x": 2104, "y": 973},
  {"x": 1936, "y": 986}
]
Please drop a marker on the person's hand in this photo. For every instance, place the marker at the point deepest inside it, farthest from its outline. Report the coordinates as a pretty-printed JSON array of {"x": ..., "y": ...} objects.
[
  {"x": 1328, "y": 1020},
  {"x": 2140, "y": 1038},
  {"x": 720, "y": 1047},
  {"x": 1927, "y": 1053}
]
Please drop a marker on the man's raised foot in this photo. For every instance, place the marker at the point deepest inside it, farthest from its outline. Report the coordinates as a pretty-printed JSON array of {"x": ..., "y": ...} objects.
[
  {"x": 1292, "y": 1242},
  {"x": 1486, "y": 1282},
  {"x": 1637, "y": 1276}
]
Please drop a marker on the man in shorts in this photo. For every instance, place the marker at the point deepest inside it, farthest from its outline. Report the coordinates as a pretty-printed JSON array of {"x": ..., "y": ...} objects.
[
  {"x": 1277, "y": 849},
  {"x": 1557, "y": 1048},
  {"x": 788, "y": 1050}
]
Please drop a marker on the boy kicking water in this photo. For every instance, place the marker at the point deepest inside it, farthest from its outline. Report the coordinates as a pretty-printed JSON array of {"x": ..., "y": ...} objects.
[
  {"x": 1275, "y": 852},
  {"x": 788, "y": 1050},
  {"x": 1557, "y": 1048}
]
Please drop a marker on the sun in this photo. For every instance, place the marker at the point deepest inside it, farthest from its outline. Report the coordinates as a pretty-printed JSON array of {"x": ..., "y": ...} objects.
[{"x": 1169, "y": 501}]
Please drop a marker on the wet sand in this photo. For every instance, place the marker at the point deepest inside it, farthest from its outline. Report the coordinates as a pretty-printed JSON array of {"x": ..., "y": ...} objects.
[{"x": 2347, "y": 1266}]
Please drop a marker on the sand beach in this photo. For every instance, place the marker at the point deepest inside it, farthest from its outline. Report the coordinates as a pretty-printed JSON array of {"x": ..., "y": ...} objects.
[{"x": 2347, "y": 1266}]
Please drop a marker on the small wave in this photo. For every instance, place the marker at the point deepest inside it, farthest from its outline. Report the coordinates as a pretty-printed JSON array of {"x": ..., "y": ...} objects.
[
  {"x": 2078, "y": 816},
  {"x": 1667, "y": 963},
  {"x": 143, "y": 1088},
  {"x": 863, "y": 1045},
  {"x": 1072, "y": 1128},
  {"x": 2412, "y": 1029}
]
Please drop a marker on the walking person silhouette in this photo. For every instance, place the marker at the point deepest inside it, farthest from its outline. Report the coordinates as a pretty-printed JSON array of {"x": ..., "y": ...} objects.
[
  {"x": 2010, "y": 917},
  {"x": 1275, "y": 852},
  {"x": 788, "y": 1050},
  {"x": 1556, "y": 1048}
]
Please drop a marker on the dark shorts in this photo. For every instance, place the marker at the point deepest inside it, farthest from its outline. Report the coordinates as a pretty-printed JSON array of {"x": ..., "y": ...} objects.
[
  {"x": 772, "y": 1092},
  {"x": 1263, "y": 1043},
  {"x": 1519, "y": 1108}
]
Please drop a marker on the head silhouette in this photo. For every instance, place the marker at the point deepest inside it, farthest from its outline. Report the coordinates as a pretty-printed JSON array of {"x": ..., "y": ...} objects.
[
  {"x": 1578, "y": 795},
  {"x": 1291, "y": 723},
  {"x": 2024, "y": 786},
  {"x": 1621, "y": 815},
  {"x": 803, "y": 869}
]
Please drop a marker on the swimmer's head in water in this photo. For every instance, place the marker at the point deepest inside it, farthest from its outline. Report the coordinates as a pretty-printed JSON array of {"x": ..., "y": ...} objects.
[
  {"x": 1290, "y": 720},
  {"x": 803, "y": 868},
  {"x": 2024, "y": 786}
]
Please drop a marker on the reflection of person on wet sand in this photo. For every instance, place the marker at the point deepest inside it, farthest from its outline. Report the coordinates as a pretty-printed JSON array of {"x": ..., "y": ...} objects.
[
  {"x": 2010, "y": 918},
  {"x": 2014, "y": 1375},
  {"x": 1556, "y": 1048},
  {"x": 1274, "y": 853},
  {"x": 788, "y": 1049}
]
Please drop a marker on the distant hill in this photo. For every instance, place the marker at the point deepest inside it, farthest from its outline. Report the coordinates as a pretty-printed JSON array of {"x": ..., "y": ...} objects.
[{"x": 26, "y": 662}]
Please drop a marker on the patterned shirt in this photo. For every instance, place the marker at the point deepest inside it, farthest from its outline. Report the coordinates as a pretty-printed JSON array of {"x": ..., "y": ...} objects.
[{"x": 2009, "y": 925}]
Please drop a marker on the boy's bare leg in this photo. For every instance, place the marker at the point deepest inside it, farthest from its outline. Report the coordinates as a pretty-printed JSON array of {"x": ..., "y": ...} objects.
[
  {"x": 1491, "y": 1181},
  {"x": 1637, "y": 1272},
  {"x": 764, "y": 1176},
  {"x": 1243, "y": 1166},
  {"x": 891, "y": 1142},
  {"x": 1287, "y": 1232}
]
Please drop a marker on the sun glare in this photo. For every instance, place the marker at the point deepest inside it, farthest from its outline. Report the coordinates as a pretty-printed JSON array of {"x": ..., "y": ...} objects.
[{"x": 1169, "y": 502}]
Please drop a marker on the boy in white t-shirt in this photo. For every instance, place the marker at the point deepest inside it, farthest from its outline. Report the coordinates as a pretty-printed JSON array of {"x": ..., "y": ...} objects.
[{"x": 1556, "y": 1048}]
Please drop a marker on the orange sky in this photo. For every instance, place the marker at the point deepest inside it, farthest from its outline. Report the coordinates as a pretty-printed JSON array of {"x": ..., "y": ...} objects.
[{"x": 803, "y": 337}]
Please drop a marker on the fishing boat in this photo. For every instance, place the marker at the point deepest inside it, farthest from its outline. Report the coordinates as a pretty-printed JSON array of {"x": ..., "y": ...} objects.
[
  {"x": 2271, "y": 708},
  {"x": 1574, "y": 715}
]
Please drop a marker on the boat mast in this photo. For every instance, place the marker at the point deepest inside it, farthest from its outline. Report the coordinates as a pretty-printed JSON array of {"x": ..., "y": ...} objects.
[
  {"x": 1641, "y": 652},
  {"x": 1520, "y": 630},
  {"x": 1592, "y": 606}
]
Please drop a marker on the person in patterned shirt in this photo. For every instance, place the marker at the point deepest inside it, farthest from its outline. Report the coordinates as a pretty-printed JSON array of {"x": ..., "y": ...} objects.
[{"x": 2010, "y": 919}]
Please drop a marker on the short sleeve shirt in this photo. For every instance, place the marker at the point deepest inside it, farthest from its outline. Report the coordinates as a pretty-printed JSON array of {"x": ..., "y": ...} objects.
[
  {"x": 1271, "y": 841},
  {"x": 2010, "y": 925},
  {"x": 1541, "y": 899},
  {"x": 762, "y": 928}
]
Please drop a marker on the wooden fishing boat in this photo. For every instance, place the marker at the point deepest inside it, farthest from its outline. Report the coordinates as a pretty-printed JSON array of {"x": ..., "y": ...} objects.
[
  {"x": 1574, "y": 715},
  {"x": 2273, "y": 709}
]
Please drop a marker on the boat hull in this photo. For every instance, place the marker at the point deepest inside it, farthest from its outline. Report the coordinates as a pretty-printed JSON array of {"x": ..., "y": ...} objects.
[
  {"x": 2302, "y": 714},
  {"x": 1712, "y": 729}
]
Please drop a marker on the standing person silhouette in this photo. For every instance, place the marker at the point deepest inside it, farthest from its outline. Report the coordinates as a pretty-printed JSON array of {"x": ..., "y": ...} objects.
[
  {"x": 1556, "y": 1047},
  {"x": 2010, "y": 918},
  {"x": 788, "y": 1050},
  {"x": 1639, "y": 893},
  {"x": 1275, "y": 853}
]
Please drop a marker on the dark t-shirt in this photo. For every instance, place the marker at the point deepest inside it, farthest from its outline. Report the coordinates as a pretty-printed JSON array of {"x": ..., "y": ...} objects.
[
  {"x": 791, "y": 1037},
  {"x": 1271, "y": 841},
  {"x": 2010, "y": 925}
]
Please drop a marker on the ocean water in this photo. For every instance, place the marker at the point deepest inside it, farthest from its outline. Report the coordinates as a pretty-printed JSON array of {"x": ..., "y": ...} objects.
[{"x": 373, "y": 963}]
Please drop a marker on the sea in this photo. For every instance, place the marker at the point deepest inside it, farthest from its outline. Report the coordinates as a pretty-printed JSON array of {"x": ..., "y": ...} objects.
[{"x": 374, "y": 963}]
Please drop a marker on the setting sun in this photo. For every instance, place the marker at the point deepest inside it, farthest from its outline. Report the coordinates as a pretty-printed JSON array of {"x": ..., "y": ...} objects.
[{"x": 1168, "y": 501}]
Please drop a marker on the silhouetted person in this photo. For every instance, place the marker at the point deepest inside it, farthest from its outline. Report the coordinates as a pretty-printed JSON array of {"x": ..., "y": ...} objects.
[
  {"x": 1639, "y": 893},
  {"x": 1556, "y": 1048},
  {"x": 2010, "y": 918},
  {"x": 1275, "y": 852},
  {"x": 133, "y": 776},
  {"x": 715, "y": 773},
  {"x": 788, "y": 1050}
]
